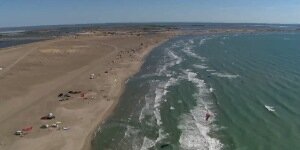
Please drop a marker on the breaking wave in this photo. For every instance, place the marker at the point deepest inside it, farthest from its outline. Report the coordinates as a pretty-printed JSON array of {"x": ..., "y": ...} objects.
[
  {"x": 173, "y": 60},
  {"x": 210, "y": 70},
  {"x": 225, "y": 75},
  {"x": 202, "y": 41},
  {"x": 188, "y": 51},
  {"x": 194, "y": 127},
  {"x": 147, "y": 144},
  {"x": 200, "y": 66},
  {"x": 152, "y": 108}
]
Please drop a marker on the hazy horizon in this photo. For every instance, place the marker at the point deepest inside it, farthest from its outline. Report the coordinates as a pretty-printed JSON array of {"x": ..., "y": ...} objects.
[
  {"x": 35, "y": 13},
  {"x": 151, "y": 23}
]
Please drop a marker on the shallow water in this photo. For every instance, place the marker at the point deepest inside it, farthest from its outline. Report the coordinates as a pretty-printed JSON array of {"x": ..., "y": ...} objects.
[
  {"x": 235, "y": 78},
  {"x": 15, "y": 42}
]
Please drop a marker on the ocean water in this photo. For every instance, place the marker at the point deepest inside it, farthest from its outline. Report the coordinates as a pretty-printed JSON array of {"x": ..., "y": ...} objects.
[{"x": 249, "y": 83}]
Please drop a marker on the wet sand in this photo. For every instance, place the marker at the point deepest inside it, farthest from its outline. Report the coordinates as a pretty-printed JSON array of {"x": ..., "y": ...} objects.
[{"x": 35, "y": 74}]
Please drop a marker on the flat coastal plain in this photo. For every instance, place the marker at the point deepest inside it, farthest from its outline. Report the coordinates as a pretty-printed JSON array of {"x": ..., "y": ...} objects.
[{"x": 33, "y": 75}]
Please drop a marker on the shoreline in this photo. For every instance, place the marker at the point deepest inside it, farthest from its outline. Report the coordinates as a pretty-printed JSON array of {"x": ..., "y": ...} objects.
[
  {"x": 110, "y": 111},
  {"x": 34, "y": 73}
]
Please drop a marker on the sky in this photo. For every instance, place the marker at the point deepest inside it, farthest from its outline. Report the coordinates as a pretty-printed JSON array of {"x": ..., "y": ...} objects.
[{"x": 49, "y": 12}]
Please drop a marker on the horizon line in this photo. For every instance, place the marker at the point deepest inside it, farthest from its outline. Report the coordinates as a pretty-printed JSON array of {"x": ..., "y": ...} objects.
[{"x": 150, "y": 22}]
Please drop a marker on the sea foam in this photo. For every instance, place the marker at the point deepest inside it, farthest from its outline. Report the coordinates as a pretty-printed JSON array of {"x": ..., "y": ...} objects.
[
  {"x": 147, "y": 143},
  {"x": 178, "y": 59},
  {"x": 194, "y": 127},
  {"x": 225, "y": 75},
  {"x": 173, "y": 60},
  {"x": 160, "y": 92},
  {"x": 200, "y": 66},
  {"x": 202, "y": 41},
  {"x": 188, "y": 50}
]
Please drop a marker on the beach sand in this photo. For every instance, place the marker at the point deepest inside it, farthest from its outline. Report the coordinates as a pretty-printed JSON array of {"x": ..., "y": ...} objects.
[{"x": 34, "y": 74}]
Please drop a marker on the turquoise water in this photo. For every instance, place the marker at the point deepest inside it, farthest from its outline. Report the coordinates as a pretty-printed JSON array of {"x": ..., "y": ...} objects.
[{"x": 249, "y": 83}]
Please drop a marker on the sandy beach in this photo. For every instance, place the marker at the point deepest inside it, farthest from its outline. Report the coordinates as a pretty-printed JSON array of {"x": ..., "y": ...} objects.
[
  {"x": 94, "y": 64},
  {"x": 149, "y": 75}
]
